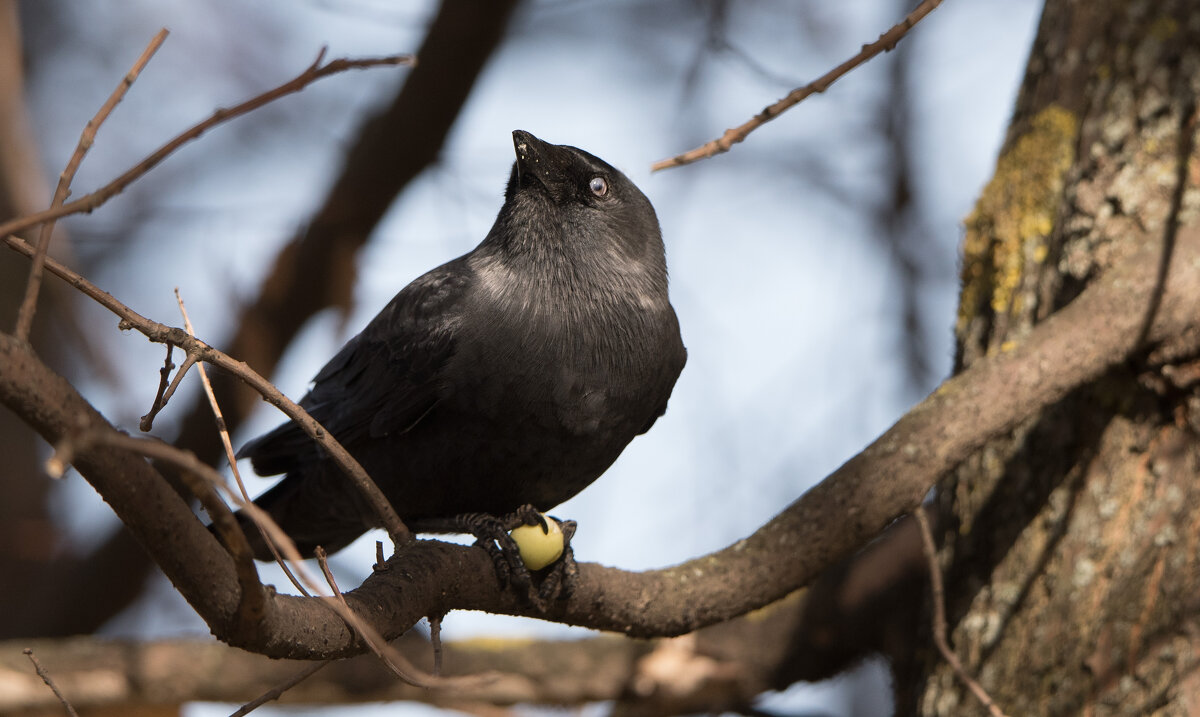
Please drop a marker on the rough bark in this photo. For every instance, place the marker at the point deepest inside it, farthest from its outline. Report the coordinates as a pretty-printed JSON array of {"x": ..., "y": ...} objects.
[{"x": 1070, "y": 546}]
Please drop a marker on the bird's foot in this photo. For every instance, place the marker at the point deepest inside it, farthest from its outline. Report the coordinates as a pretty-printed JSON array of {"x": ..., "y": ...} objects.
[{"x": 541, "y": 586}]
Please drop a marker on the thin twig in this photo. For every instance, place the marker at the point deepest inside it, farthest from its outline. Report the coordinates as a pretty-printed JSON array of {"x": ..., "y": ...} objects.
[
  {"x": 228, "y": 445},
  {"x": 164, "y": 375},
  {"x": 722, "y": 144},
  {"x": 42, "y": 673},
  {"x": 90, "y": 201},
  {"x": 391, "y": 658},
  {"x": 161, "y": 401},
  {"x": 198, "y": 350},
  {"x": 275, "y": 692},
  {"x": 34, "y": 283},
  {"x": 939, "y": 617},
  {"x": 435, "y": 637}
]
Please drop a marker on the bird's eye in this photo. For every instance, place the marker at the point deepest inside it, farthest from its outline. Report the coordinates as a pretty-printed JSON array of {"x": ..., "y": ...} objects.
[{"x": 598, "y": 186}]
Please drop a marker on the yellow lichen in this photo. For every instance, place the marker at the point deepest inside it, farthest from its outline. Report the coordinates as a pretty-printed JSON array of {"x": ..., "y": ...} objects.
[
  {"x": 790, "y": 602},
  {"x": 1163, "y": 28},
  {"x": 495, "y": 644},
  {"x": 1015, "y": 213}
]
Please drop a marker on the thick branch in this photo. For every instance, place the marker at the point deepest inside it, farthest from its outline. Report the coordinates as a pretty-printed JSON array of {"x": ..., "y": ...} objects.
[
  {"x": 727, "y": 664},
  {"x": 1079, "y": 344}
]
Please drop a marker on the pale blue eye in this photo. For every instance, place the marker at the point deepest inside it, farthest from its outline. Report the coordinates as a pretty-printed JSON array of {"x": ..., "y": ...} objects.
[{"x": 598, "y": 186}]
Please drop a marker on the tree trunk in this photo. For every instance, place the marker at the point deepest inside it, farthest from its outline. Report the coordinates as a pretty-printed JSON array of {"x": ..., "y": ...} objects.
[{"x": 1070, "y": 548}]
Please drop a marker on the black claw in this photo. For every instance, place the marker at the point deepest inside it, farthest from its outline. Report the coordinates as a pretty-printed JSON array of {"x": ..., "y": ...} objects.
[
  {"x": 559, "y": 579},
  {"x": 526, "y": 515},
  {"x": 540, "y": 589},
  {"x": 491, "y": 533}
]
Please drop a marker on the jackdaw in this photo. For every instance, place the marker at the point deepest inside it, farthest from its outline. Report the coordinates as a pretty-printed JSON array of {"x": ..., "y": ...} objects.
[{"x": 512, "y": 376}]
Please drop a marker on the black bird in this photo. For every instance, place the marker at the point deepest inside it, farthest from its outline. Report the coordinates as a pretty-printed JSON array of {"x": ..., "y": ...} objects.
[{"x": 513, "y": 375}]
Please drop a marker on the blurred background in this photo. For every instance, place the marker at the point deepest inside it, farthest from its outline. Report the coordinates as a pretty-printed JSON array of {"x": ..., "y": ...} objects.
[{"x": 813, "y": 268}]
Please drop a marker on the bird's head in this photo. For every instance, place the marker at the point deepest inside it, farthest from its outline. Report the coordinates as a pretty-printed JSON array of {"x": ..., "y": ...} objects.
[{"x": 580, "y": 197}]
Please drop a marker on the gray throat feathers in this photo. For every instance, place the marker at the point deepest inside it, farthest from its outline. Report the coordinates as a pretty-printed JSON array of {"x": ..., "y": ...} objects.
[{"x": 593, "y": 285}]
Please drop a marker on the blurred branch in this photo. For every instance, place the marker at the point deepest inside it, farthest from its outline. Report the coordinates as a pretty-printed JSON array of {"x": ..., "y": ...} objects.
[
  {"x": 31, "y": 542},
  {"x": 278, "y": 690},
  {"x": 886, "y": 42},
  {"x": 1076, "y": 345},
  {"x": 901, "y": 226},
  {"x": 45, "y": 675},
  {"x": 316, "y": 269},
  {"x": 23, "y": 185}
]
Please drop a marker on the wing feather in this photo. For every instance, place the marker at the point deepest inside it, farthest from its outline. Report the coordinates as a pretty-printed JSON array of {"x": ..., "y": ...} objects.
[{"x": 383, "y": 381}]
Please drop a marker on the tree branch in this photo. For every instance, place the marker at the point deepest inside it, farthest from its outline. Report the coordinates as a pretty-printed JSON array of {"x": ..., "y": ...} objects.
[
  {"x": 198, "y": 350},
  {"x": 89, "y": 202},
  {"x": 1075, "y": 346},
  {"x": 722, "y": 144}
]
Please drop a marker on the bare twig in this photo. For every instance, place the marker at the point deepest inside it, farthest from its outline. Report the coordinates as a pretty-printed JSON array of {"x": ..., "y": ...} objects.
[
  {"x": 198, "y": 350},
  {"x": 435, "y": 637},
  {"x": 389, "y": 656},
  {"x": 164, "y": 375},
  {"x": 164, "y": 397},
  {"x": 32, "y": 287},
  {"x": 90, "y": 201},
  {"x": 722, "y": 144},
  {"x": 275, "y": 692},
  {"x": 42, "y": 673},
  {"x": 939, "y": 618},
  {"x": 228, "y": 445},
  {"x": 188, "y": 362}
]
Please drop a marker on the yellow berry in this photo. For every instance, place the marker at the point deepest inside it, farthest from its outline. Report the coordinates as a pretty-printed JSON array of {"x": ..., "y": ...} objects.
[{"x": 539, "y": 548}]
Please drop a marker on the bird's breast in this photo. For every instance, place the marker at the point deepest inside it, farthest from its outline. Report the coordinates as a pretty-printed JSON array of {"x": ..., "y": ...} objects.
[{"x": 582, "y": 373}]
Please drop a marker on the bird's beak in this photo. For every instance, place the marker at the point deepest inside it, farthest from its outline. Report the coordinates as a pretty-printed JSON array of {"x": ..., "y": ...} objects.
[
  {"x": 538, "y": 160},
  {"x": 529, "y": 154}
]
